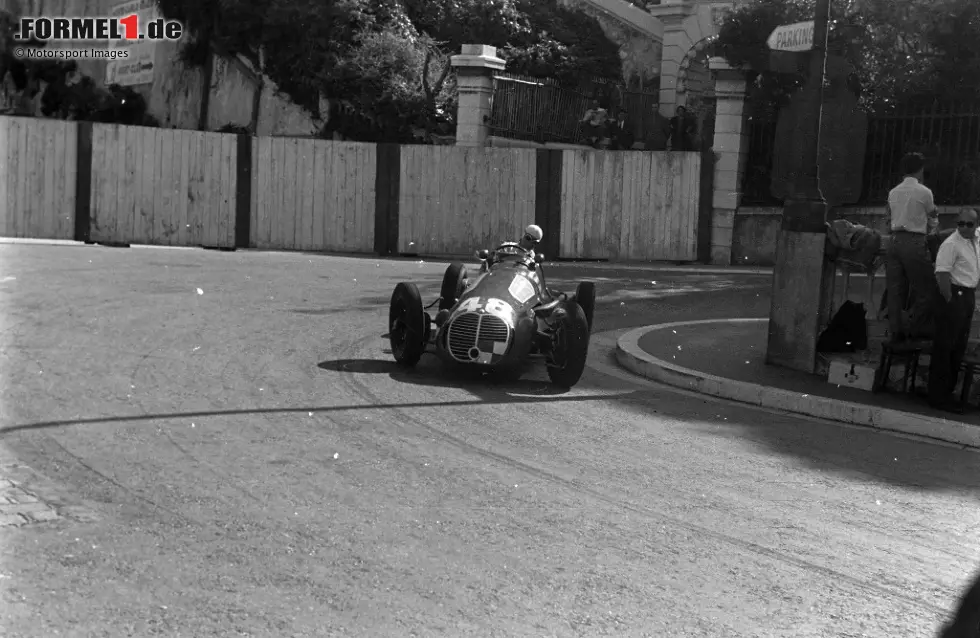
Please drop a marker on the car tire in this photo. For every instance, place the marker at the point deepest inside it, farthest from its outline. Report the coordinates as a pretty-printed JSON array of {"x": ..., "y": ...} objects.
[
  {"x": 567, "y": 362},
  {"x": 453, "y": 285},
  {"x": 408, "y": 325},
  {"x": 585, "y": 297}
]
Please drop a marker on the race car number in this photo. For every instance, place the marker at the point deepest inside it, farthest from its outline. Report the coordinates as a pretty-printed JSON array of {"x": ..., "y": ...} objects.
[{"x": 494, "y": 306}]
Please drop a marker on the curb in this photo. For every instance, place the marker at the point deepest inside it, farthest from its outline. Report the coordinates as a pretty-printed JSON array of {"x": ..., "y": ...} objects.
[{"x": 636, "y": 360}]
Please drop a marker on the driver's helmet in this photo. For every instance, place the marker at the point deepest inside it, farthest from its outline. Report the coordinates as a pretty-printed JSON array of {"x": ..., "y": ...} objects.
[{"x": 532, "y": 236}]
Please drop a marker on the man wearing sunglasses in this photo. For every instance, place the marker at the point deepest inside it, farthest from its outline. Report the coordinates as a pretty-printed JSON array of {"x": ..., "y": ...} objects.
[
  {"x": 907, "y": 263},
  {"x": 957, "y": 274}
]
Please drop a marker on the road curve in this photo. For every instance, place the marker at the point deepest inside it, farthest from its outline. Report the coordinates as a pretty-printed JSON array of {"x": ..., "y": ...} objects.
[{"x": 254, "y": 464}]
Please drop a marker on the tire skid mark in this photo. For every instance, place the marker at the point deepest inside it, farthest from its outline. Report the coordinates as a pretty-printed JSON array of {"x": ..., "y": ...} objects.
[{"x": 544, "y": 475}]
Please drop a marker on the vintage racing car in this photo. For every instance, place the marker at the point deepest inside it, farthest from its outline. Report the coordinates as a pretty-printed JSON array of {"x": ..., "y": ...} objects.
[{"x": 500, "y": 320}]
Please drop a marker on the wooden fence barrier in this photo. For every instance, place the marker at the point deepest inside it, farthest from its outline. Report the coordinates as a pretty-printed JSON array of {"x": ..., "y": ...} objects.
[
  {"x": 163, "y": 186},
  {"x": 454, "y": 200},
  {"x": 639, "y": 206},
  {"x": 37, "y": 178},
  {"x": 313, "y": 195}
]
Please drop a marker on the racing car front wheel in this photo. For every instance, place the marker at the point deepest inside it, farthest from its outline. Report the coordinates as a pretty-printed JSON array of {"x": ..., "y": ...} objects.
[
  {"x": 570, "y": 348},
  {"x": 453, "y": 285},
  {"x": 585, "y": 297},
  {"x": 408, "y": 325}
]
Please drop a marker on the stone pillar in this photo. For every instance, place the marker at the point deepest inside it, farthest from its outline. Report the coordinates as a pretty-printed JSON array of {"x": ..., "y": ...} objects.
[
  {"x": 474, "y": 78},
  {"x": 730, "y": 147},
  {"x": 677, "y": 42}
]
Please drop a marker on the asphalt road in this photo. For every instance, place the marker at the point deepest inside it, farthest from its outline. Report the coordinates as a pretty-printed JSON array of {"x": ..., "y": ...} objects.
[{"x": 235, "y": 454}]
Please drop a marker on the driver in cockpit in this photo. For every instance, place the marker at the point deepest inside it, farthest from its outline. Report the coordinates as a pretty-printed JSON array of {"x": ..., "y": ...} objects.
[{"x": 532, "y": 237}]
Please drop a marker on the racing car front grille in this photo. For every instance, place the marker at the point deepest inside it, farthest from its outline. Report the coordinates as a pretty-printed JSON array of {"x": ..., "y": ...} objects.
[{"x": 469, "y": 329}]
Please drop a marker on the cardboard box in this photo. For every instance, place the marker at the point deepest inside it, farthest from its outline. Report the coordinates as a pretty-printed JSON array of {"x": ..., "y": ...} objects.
[{"x": 851, "y": 375}]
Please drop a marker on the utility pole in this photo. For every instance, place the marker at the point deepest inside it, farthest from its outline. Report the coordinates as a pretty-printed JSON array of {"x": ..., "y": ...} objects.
[{"x": 802, "y": 289}]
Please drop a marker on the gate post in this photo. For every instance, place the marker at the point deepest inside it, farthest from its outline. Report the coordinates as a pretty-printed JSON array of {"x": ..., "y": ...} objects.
[
  {"x": 474, "y": 78},
  {"x": 730, "y": 148}
]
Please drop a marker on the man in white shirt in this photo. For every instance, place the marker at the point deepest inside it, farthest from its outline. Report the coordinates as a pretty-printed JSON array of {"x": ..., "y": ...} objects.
[
  {"x": 957, "y": 275},
  {"x": 913, "y": 215}
]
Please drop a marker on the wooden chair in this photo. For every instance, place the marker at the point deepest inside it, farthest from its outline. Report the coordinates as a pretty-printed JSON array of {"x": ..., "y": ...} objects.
[{"x": 905, "y": 352}]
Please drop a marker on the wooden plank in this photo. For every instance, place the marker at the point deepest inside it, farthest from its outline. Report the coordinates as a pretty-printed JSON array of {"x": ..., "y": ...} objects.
[
  {"x": 669, "y": 209},
  {"x": 333, "y": 216},
  {"x": 318, "y": 196},
  {"x": 263, "y": 161},
  {"x": 406, "y": 197},
  {"x": 113, "y": 161},
  {"x": 369, "y": 195},
  {"x": 255, "y": 206},
  {"x": 630, "y": 165},
  {"x": 565, "y": 201},
  {"x": 367, "y": 192},
  {"x": 66, "y": 181},
  {"x": 214, "y": 186},
  {"x": 356, "y": 180},
  {"x": 304, "y": 195},
  {"x": 97, "y": 194},
  {"x": 276, "y": 193},
  {"x": 28, "y": 187},
  {"x": 227, "y": 163},
  {"x": 6, "y": 179},
  {"x": 206, "y": 208},
  {"x": 47, "y": 207},
  {"x": 192, "y": 186},
  {"x": 163, "y": 222},
  {"x": 229, "y": 179},
  {"x": 23, "y": 174},
  {"x": 613, "y": 230},
  {"x": 181, "y": 175},
  {"x": 692, "y": 200},
  {"x": 290, "y": 209},
  {"x": 654, "y": 207},
  {"x": 149, "y": 192}
]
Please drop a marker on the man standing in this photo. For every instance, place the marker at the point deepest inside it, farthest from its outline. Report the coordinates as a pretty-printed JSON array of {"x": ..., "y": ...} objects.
[
  {"x": 957, "y": 274},
  {"x": 913, "y": 214}
]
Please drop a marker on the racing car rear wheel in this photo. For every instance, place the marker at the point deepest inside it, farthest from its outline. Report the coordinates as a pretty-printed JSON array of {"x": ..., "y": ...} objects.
[
  {"x": 408, "y": 325},
  {"x": 570, "y": 347},
  {"x": 453, "y": 285},
  {"x": 585, "y": 297}
]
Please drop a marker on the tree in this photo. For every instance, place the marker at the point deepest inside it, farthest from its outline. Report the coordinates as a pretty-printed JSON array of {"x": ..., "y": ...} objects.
[
  {"x": 386, "y": 61},
  {"x": 902, "y": 51}
]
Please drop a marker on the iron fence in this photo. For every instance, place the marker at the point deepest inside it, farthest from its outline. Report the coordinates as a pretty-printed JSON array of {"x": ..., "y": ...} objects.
[
  {"x": 542, "y": 110},
  {"x": 947, "y": 134}
]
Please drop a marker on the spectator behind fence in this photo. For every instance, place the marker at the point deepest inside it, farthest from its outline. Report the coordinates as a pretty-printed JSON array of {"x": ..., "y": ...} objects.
[
  {"x": 908, "y": 270},
  {"x": 681, "y": 131},
  {"x": 594, "y": 123},
  {"x": 620, "y": 132}
]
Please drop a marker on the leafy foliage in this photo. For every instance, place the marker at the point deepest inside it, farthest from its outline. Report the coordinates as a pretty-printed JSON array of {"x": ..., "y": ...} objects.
[
  {"x": 64, "y": 93},
  {"x": 386, "y": 61},
  {"x": 902, "y": 51}
]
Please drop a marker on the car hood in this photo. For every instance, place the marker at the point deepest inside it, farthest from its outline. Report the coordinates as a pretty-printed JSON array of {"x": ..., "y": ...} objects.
[{"x": 508, "y": 291}]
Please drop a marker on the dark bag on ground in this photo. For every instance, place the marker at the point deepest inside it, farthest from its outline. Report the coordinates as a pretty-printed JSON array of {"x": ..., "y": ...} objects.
[{"x": 848, "y": 330}]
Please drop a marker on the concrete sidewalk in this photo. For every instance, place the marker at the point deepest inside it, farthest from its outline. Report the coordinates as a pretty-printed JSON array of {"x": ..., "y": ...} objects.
[{"x": 726, "y": 358}]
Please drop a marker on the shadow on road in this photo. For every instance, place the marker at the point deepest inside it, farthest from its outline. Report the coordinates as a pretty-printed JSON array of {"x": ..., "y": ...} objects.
[{"x": 431, "y": 373}]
